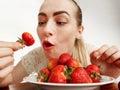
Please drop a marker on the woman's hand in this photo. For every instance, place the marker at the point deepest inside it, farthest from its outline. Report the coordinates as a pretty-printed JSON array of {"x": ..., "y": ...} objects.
[
  {"x": 6, "y": 58},
  {"x": 108, "y": 58}
]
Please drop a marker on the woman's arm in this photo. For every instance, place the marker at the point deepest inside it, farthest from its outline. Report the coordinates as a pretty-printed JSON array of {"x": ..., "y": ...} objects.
[
  {"x": 18, "y": 73},
  {"x": 15, "y": 76}
]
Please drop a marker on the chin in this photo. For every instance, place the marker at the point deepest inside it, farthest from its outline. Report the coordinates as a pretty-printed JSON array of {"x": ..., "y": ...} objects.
[{"x": 51, "y": 55}]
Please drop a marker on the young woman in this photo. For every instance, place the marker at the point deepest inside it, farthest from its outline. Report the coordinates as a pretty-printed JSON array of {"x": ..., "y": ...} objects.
[{"x": 59, "y": 30}]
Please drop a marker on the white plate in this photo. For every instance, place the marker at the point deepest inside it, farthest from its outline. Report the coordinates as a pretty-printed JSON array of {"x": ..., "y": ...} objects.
[{"x": 90, "y": 86}]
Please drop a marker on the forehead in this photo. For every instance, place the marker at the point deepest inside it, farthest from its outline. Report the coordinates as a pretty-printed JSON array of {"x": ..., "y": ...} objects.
[{"x": 51, "y": 6}]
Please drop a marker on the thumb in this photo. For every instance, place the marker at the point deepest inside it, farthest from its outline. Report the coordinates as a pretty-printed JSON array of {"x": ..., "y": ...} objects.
[{"x": 13, "y": 45}]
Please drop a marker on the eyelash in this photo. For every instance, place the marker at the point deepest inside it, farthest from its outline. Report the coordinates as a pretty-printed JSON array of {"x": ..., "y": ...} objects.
[
  {"x": 58, "y": 23},
  {"x": 41, "y": 23}
]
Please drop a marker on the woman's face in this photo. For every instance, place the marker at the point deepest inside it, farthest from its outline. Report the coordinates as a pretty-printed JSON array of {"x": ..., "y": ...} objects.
[{"x": 57, "y": 27}]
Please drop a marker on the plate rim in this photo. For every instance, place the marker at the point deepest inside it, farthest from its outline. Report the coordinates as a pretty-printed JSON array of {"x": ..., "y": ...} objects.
[{"x": 112, "y": 80}]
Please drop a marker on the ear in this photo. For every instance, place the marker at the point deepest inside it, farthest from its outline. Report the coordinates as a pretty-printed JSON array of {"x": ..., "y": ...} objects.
[{"x": 80, "y": 31}]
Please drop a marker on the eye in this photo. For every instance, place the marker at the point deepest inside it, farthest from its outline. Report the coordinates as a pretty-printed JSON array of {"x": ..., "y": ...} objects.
[
  {"x": 42, "y": 20},
  {"x": 61, "y": 23},
  {"x": 41, "y": 23}
]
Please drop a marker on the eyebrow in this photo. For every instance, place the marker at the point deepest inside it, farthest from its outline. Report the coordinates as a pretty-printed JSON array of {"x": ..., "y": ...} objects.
[
  {"x": 60, "y": 12},
  {"x": 54, "y": 14},
  {"x": 42, "y": 14}
]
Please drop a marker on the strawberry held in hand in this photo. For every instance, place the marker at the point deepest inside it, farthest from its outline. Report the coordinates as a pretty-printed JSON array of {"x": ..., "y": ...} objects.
[{"x": 27, "y": 39}]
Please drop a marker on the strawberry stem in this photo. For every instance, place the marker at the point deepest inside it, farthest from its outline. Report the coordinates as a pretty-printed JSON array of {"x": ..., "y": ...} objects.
[
  {"x": 68, "y": 71},
  {"x": 20, "y": 40}
]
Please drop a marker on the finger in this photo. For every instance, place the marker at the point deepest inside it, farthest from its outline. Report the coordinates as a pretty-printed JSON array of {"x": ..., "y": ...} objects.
[
  {"x": 118, "y": 62},
  {"x": 97, "y": 53},
  {"x": 6, "y": 61},
  {"x": 114, "y": 57},
  {"x": 14, "y": 45},
  {"x": 6, "y": 71},
  {"x": 109, "y": 52},
  {"x": 6, "y": 81},
  {"x": 6, "y": 52},
  {"x": 102, "y": 49},
  {"x": 94, "y": 55},
  {"x": 94, "y": 58}
]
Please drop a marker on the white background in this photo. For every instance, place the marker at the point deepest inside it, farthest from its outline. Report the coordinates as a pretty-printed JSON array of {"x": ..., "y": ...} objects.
[{"x": 101, "y": 19}]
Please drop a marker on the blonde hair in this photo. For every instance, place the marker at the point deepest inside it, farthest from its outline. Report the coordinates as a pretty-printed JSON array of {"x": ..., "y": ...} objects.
[{"x": 80, "y": 52}]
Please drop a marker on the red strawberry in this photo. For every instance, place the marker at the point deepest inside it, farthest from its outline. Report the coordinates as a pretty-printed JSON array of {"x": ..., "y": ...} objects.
[
  {"x": 63, "y": 68},
  {"x": 79, "y": 75},
  {"x": 92, "y": 68},
  {"x": 94, "y": 72},
  {"x": 60, "y": 68},
  {"x": 57, "y": 77},
  {"x": 27, "y": 39},
  {"x": 43, "y": 75},
  {"x": 95, "y": 77},
  {"x": 64, "y": 58},
  {"x": 52, "y": 63},
  {"x": 72, "y": 63}
]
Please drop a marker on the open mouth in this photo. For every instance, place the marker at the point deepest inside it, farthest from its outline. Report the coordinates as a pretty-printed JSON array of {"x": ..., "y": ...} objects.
[{"x": 47, "y": 45}]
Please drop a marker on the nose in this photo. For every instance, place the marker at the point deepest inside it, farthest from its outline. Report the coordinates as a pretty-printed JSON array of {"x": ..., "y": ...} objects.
[{"x": 49, "y": 28}]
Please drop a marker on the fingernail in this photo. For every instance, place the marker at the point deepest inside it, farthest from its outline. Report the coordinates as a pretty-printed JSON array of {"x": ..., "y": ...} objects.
[
  {"x": 21, "y": 45},
  {"x": 109, "y": 60},
  {"x": 97, "y": 55}
]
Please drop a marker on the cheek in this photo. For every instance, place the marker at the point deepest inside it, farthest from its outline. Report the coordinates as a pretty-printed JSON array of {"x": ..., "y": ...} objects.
[
  {"x": 67, "y": 36},
  {"x": 39, "y": 33},
  {"x": 65, "y": 43}
]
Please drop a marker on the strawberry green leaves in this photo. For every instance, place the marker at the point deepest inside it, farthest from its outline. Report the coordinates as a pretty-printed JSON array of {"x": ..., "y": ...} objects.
[{"x": 65, "y": 69}]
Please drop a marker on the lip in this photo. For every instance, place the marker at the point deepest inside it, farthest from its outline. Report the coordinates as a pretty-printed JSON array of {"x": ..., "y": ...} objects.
[{"x": 47, "y": 45}]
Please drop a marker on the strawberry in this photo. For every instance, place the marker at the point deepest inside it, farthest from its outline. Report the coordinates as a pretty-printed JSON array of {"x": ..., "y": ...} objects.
[
  {"x": 52, "y": 63},
  {"x": 43, "y": 74},
  {"x": 94, "y": 72},
  {"x": 57, "y": 77},
  {"x": 60, "y": 68},
  {"x": 95, "y": 77},
  {"x": 92, "y": 68},
  {"x": 72, "y": 63},
  {"x": 64, "y": 58},
  {"x": 79, "y": 75},
  {"x": 27, "y": 39}
]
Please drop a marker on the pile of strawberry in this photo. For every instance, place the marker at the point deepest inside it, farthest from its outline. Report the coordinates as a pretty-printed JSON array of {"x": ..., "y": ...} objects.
[{"x": 65, "y": 69}]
